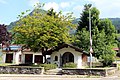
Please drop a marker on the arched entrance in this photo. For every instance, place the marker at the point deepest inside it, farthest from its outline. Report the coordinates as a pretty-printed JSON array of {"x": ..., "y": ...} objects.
[{"x": 67, "y": 57}]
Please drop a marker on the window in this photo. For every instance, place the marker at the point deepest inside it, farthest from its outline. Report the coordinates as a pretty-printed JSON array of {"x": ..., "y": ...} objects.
[{"x": 56, "y": 58}]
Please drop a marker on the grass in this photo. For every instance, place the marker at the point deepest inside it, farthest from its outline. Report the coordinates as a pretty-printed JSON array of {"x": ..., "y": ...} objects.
[
  {"x": 118, "y": 65},
  {"x": 117, "y": 58},
  {"x": 6, "y": 64}
]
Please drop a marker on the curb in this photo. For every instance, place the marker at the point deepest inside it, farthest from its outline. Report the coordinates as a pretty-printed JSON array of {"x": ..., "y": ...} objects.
[
  {"x": 46, "y": 76},
  {"x": 28, "y": 75}
]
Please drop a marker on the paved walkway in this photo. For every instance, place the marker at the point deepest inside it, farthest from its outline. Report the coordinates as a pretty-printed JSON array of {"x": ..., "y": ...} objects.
[
  {"x": 117, "y": 74},
  {"x": 43, "y": 77},
  {"x": 36, "y": 77},
  {"x": 50, "y": 77}
]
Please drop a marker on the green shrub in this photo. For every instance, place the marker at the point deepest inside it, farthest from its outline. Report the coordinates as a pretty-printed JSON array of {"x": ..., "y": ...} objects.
[
  {"x": 48, "y": 66},
  {"x": 70, "y": 65},
  {"x": 107, "y": 59},
  {"x": 97, "y": 64}
]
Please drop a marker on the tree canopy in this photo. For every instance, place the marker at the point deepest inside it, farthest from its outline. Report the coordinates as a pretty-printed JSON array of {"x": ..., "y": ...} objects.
[
  {"x": 84, "y": 18},
  {"x": 5, "y": 36},
  {"x": 103, "y": 33},
  {"x": 43, "y": 30}
]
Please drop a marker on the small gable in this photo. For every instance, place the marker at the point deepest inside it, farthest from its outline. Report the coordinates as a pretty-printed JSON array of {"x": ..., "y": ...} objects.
[{"x": 64, "y": 45}]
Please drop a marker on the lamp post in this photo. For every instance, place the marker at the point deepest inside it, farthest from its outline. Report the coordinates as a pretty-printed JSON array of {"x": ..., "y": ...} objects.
[{"x": 91, "y": 50}]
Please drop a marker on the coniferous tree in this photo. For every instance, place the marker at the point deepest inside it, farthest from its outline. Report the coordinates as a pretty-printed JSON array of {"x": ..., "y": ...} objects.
[{"x": 103, "y": 34}]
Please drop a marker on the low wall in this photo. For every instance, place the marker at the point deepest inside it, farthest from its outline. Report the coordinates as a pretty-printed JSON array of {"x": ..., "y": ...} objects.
[
  {"x": 89, "y": 71},
  {"x": 21, "y": 70}
]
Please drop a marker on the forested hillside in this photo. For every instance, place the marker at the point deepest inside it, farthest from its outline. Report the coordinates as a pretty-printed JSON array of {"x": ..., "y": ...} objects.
[
  {"x": 12, "y": 24},
  {"x": 115, "y": 21}
]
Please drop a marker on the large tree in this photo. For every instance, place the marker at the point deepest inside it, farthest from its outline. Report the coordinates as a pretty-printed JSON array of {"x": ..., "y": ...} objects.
[
  {"x": 5, "y": 36},
  {"x": 42, "y": 31},
  {"x": 103, "y": 33},
  {"x": 84, "y": 18}
]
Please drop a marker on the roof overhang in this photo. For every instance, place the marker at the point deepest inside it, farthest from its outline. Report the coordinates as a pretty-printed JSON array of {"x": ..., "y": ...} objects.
[{"x": 64, "y": 45}]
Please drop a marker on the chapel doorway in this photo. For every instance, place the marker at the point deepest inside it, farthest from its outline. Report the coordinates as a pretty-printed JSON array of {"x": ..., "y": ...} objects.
[{"x": 67, "y": 57}]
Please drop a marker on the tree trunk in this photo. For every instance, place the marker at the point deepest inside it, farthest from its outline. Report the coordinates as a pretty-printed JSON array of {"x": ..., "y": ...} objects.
[{"x": 44, "y": 50}]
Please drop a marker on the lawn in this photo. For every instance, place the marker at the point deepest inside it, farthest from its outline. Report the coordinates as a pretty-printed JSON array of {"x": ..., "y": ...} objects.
[
  {"x": 6, "y": 64},
  {"x": 117, "y": 58}
]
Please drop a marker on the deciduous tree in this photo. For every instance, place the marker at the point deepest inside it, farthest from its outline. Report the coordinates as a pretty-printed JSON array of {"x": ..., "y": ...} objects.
[{"x": 43, "y": 30}]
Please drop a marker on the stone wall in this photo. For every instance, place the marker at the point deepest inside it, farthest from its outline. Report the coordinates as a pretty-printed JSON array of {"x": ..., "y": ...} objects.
[
  {"x": 21, "y": 70},
  {"x": 89, "y": 71}
]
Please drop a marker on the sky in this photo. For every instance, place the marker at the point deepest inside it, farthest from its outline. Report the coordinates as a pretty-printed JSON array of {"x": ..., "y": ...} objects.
[{"x": 10, "y": 9}]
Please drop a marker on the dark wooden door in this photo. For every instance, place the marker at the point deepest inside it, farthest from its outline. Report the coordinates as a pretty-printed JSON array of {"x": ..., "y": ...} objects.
[
  {"x": 9, "y": 58},
  {"x": 38, "y": 59},
  {"x": 28, "y": 58}
]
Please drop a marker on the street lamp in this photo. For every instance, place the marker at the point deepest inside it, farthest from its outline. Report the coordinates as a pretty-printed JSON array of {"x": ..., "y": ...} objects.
[{"x": 91, "y": 50}]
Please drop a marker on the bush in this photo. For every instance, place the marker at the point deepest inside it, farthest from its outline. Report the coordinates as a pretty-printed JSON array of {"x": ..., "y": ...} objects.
[
  {"x": 107, "y": 59},
  {"x": 48, "y": 66},
  {"x": 97, "y": 64},
  {"x": 70, "y": 65}
]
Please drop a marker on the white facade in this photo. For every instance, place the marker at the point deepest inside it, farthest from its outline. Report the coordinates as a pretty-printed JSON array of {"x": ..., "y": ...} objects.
[
  {"x": 77, "y": 56},
  {"x": 34, "y": 54},
  {"x": 19, "y": 57},
  {"x": 16, "y": 56}
]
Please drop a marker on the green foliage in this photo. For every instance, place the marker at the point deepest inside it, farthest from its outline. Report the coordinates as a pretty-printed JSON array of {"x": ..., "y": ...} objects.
[
  {"x": 70, "y": 65},
  {"x": 84, "y": 18},
  {"x": 43, "y": 30},
  {"x": 96, "y": 64},
  {"x": 82, "y": 39},
  {"x": 48, "y": 66},
  {"x": 107, "y": 59},
  {"x": 103, "y": 34}
]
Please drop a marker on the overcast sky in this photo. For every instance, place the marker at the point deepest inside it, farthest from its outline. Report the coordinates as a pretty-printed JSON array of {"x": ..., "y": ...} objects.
[{"x": 10, "y": 9}]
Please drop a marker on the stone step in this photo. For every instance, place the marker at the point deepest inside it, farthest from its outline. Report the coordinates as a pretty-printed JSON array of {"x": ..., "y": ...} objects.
[{"x": 53, "y": 72}]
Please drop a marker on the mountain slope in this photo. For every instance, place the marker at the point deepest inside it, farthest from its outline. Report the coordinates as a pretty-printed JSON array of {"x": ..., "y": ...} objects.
[
  {"x": 12, "y": 24},
  {"x": 115, "y": 21}
]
